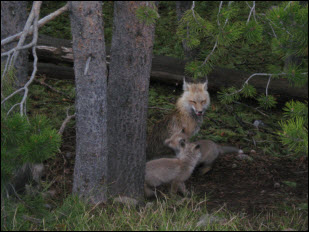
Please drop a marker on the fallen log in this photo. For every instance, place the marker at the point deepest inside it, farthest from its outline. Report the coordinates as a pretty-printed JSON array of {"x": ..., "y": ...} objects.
[{"x": 56, "y": 61}]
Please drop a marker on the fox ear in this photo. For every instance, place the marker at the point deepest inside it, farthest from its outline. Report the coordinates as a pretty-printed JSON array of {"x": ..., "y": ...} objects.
[
  {"x": 205, "y": 85},
  {"x": 185, "y": 86},
  {"x": 197, "y": 146}
]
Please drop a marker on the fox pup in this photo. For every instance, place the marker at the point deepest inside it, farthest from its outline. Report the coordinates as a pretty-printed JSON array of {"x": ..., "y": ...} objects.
[
  {"x": 190, "y": 108},
  {"x": 210, "y": 151},
  {"x": 172, "y": 170}
]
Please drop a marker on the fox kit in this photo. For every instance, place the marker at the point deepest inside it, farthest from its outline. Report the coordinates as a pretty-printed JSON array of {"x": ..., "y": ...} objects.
[
  {"x": 210, "y": 151},
  {"x": 172, "y": 170},
  {"x": 188, "y": 114}
]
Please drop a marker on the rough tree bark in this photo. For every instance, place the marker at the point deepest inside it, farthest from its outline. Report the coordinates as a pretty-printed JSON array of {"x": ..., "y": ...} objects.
[
  {"x": 91, "y": 103},
  {"x": 128, "y": 83},
  {"x": 13, "y": 19}
]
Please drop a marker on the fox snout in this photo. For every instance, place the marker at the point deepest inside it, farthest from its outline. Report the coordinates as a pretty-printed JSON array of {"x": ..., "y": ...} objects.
[{"x": 199, "y": 113}]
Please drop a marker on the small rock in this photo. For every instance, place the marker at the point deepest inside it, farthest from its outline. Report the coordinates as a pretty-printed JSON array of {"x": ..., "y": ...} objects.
[
  {"x": 276, "y": 185},
  {"x": 263, "y": 191},
  {"x": 253, "y": 152},
  {"x": 234, "y": 166},
  {"x": 258, "y": 123}
]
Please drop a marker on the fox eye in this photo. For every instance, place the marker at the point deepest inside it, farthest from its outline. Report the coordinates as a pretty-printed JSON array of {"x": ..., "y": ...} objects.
[
  {"x": 193, "y": 102},
  {"x": 203, "y": 102}
]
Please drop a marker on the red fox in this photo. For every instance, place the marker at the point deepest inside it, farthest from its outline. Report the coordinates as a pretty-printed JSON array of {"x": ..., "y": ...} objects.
[
  {"x": 190, "y": 108},
  {"x": 172, "y": 170},
  {"x": 210, "y": 150}
]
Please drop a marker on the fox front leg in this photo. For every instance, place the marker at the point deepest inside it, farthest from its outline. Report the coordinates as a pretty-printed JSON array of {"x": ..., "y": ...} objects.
[
  {"x": 174, "y": 187},
  {"x": 183, "y": 189}
]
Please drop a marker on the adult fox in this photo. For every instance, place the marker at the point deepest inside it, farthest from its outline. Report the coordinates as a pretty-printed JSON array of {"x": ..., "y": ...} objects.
[{"x": 190, "y": 108}]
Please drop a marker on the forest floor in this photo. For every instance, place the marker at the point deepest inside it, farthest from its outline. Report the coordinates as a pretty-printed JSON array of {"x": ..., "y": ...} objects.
[{"x": 272, "y": 180}]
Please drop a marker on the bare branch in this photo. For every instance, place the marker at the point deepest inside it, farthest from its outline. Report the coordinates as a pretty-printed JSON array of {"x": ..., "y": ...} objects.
[
  {"x": 33, "y": 17},
  {"x": 220, "y": 6},
  {"x": 252, "y": 10},
  {"x": 212, "y": 51},
  {"x": 268, "y": 85},
  {"x": 260, "y": 74},
  {"x": 67, "y": 119},
  {"x": 192, "y": 9},
  {"x": 35, "y": 9},
  {"x": 41, "y": 23}
]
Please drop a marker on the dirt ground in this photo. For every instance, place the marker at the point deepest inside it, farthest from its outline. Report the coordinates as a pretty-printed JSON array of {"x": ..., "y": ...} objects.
[
  {"x": 253, "y": 186},
  {"x": 242, "y": 185}
]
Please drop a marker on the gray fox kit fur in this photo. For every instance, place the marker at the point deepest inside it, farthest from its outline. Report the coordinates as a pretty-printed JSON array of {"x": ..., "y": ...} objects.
[
  {"x": 210, "y": 151},
  {"x": 190, "y": 108},
  {"x": 172, "y": 170}
]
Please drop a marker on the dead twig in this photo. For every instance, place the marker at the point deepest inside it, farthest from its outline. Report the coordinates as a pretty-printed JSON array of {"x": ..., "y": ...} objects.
[{"x": 67, "y": 119}]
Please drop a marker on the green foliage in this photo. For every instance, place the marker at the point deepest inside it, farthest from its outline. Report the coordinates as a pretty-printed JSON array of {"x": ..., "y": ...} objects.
[
  {"x": 59, "y": 27},
  {"x": 147, "y": 14},
  {"x": 296, "y": 75},
  {"x": 295, "y": 128},
  {"x": 253, "y": 32},
  {"x": 23, "y": 141},
  {"x": 230, "y": 33},
  {"x": 296, "y": 109},
  {"x": 187, "y": 214},
  {"x": 290, "y": 22},
  {"x": 267, "y": 102},
  {"x": 248, "y": 91},
  {"x": 192, "y": 28},
  {"x": 227, "y": 96}
]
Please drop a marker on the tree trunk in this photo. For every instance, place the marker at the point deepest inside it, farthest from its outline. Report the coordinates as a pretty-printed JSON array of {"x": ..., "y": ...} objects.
[
  {"x": 13, "y": 19},
  {"x": 128, "y": 83},
  {"x": 91, "y": 104}
]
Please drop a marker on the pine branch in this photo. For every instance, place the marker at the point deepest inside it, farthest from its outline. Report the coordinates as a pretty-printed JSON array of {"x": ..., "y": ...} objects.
[{"x": 216, "y": 43}]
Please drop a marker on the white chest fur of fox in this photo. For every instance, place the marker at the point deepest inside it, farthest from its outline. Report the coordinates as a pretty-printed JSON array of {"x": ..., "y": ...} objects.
[
  {"x": 210, "y": 151},
  {"x": 172, "y": 170},
  {"x": 189, "y": 112}
]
